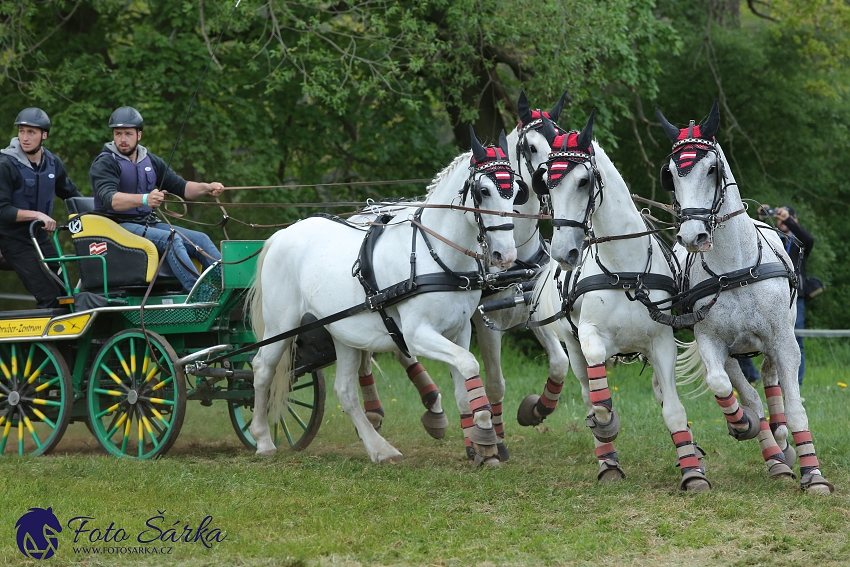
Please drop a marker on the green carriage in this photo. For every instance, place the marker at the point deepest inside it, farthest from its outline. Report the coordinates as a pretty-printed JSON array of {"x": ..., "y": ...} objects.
[{"x": 127, "y": 350}]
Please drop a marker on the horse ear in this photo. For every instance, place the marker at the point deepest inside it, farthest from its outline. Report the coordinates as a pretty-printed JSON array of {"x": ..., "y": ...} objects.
[
  {"x": 549, "y": 131},
  {"x": 478, "y": 151},
  {"x": 672, "y": 131},
  {"x": 709, "y": 128},
  {"x": 524, "y": 108},
  {"x": 503, "y": 143},
  {"x": 555, "y": 113},
  {"x": 586, "y": 135}
]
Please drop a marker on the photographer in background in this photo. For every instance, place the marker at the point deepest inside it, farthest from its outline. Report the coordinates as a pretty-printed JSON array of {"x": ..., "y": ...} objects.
[{"x": 786, "y": 221}]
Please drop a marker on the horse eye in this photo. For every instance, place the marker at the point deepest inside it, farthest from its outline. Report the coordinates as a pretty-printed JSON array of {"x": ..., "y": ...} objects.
[
  {"x": 485, "y": 192},
  {"x": 534, "y": 149},
  {"x": 712, "y": 169},
  {"x": 583, "y": 182}
]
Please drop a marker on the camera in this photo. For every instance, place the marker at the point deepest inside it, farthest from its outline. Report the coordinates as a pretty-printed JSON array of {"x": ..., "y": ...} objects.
[{"x": 768, "y": 212}]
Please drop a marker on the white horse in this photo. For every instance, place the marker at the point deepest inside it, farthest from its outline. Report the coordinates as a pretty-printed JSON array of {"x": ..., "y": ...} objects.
[
  {"x": 527, "y": 149},
  {"x": 742, "y": 281},
  {"x": 307, "y": 268},
  {"x": 601, "y": 236}
]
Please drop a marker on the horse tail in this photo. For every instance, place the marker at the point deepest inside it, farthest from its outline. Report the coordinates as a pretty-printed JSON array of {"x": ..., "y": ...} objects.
[
  {"x": 281, "y": 383},
  {"x": 282, "y": 376},
  {"x": 690, "y": 369}
]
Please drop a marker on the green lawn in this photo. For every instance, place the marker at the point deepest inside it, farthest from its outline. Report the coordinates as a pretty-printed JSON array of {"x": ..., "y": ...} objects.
[{"x": 329, "y": 505}]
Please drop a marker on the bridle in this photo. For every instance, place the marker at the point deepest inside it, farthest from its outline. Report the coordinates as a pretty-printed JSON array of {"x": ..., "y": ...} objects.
[
  {"x": 709, "y": 217},
  {"x": 573, "y": 158}
]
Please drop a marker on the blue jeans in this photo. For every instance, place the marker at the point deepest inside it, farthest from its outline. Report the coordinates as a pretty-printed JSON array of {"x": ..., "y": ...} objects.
[
  {"x": 801, "y": 324},
  {"x": 181, "y": 252}
]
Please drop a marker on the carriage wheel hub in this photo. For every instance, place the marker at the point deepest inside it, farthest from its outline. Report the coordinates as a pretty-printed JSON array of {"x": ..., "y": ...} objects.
[
  {"x": 14, "y": 398},
  {"x": 133, "y": 396}
]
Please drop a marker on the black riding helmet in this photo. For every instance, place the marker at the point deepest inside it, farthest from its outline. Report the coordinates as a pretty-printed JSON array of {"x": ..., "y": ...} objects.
[
  {"x": 33, "y": 117},
  {"x": 126, "y": 117}
]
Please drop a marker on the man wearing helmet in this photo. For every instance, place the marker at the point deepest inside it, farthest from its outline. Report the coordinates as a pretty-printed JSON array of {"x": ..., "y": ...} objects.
[
  {"x": 130, "y": 182},
  {"x": 30, "y": 178}
]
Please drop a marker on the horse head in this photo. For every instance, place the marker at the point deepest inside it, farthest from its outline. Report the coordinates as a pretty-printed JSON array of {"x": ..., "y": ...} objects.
[
  {"x": 531, "y": 146},
  {"x": 569, "y": 177},
  {"x": 696, "y": 185},
  {"x": 493, "y": 185}
]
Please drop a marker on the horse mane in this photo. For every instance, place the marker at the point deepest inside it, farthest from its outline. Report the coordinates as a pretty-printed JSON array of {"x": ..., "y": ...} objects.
[
  {"x": 604, "y": 163},
  {"x": 445, "y": 173}
]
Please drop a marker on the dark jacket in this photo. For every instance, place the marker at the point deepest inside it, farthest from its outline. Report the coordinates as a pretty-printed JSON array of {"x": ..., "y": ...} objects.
[
  {"x": 11, "y": 181},
  {"x": 808, "y": 242},
  {"x": 105, "y": 174}
]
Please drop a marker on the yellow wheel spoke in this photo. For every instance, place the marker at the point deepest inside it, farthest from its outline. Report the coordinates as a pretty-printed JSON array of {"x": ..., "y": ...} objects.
[
  {"x": 48, "y": 384},
  {"x": 43, "y": 417},
  {"x": 108, "y": 392},
  {"x": 111, "y": 374},
  {"x": 168, "y": 380},
  {"x": 39, "y": 401}
]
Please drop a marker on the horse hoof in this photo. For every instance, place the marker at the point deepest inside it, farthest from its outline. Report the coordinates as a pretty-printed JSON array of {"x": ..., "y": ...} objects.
[
  {"x": 816, "y": 484},
  {"x": 435, "y": 424},
  {"x": 753, "y": 426},
  {"x": 525, "y": 414},
  {"x": 610, "y": 471},
  {"x": 604, "y": 432},
  {"x": 480, "y": 460},
  {"x": 781, "y": 471},
  {"x": 375, "y": 419},
  {"x": 480, "y": 436},
  {"x": 694, "y": 481},
  {"x": 503, "y": 451},
  {"x": 395, "y": 458},
  {"x": 790, "y": 454}
]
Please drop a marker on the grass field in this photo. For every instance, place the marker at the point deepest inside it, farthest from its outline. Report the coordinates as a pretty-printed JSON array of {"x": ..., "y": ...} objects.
[{"x": 329, "y": 505}]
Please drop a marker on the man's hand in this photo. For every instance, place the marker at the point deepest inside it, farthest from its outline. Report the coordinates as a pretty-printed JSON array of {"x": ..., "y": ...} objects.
[
  {"x": 215, "y": 188},
  {"x": 155, "y": 198},
  {"x": 782, "y": 214},
  {"x": 49, "y": 223}
]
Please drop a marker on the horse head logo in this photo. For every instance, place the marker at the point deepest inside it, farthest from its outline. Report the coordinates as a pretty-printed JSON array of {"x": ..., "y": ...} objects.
[{"x": 38, "y": 533}]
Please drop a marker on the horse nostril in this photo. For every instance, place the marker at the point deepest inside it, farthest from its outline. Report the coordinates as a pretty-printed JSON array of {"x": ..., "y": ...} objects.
[
  {"x": 680, "y": 241},
  {"x": 572, "y": 257},
  {"x": 497, "y": 255},
  {"x": 702, "y": 237}
]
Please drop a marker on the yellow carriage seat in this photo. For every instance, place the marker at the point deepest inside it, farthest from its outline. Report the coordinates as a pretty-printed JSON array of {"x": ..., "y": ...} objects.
[{"x": 131, "y": 260}]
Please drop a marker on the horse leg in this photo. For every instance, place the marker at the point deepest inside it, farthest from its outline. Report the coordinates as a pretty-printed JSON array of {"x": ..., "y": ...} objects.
[
  {"x": 490, "y": 343},
  {"x": 603, "y": 421},
  {"x": 534, "y": 409},
  {"x": 662, "y": 357},
  {"x": 470, "y": 395},
  {"x": 606, "y": 454},
  {"x": 265, "y": 365},
  {"x": 787, "y": 361},
  {"x": 371, "y": 401},
  {"x": 774, "y": 457},
  {"x": 741, "y": 421},
  {"x": 349, "y": 361},
  {"x": 776, "y": 409},
  {"x": 434, "y": 419}
]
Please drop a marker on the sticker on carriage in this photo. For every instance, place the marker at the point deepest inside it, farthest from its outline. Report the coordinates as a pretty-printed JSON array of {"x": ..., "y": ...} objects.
[
  {"x": 69, "y": 326},
  {"x": 97, "y": 248},
  {"x": 75, "y": 226},
  {"x": 23, "y": 327}
]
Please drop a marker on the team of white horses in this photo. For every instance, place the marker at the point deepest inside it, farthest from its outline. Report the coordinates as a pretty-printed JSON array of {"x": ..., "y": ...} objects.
[{"x": 605, "y": 288}]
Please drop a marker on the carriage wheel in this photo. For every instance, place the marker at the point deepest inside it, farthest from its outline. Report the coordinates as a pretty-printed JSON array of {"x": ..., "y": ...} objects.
[
  {"x": 136, "y": 395},
  {"x": 302, "y": 416},
  {"x": 36, "y": 395}
]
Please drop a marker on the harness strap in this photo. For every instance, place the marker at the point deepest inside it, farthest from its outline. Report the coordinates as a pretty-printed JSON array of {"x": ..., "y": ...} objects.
[
  {"x": 738, "y": 278},
  {"x": 625, "y": 281},
  {"x": 424, "y": 228}
]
